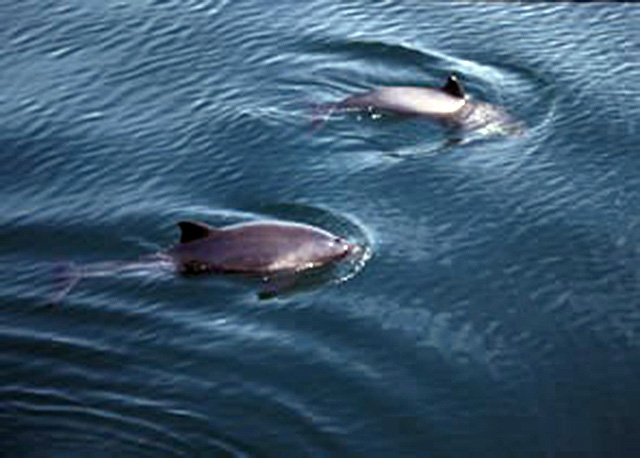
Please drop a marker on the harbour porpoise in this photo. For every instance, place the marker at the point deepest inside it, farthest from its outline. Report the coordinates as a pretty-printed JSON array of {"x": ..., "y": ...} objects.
[
  {"x": 256, "y": 248},
  {"x": 275, "y": 251},
  {"x": 449, "y": 104}
]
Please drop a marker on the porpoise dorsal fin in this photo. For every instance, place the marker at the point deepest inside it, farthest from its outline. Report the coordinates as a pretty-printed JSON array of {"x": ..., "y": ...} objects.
[
  {"x": 191, "y": 230},
  {"x": 453, "y": 87}
]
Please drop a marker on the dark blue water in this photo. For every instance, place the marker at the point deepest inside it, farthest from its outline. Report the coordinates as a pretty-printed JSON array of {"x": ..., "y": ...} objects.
[{"x": 499, "y": 313}]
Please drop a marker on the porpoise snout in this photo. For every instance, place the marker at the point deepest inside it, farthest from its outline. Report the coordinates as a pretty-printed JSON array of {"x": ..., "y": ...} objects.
[
  {"x": 340, "y": 248},
  {"x": 349, "y": 248}
]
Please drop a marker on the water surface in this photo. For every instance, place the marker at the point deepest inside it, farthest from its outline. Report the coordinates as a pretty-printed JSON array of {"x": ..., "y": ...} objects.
[{"x": 497, "y": 316}]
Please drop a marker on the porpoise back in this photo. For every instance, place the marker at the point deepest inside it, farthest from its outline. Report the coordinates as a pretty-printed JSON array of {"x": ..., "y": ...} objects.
[
  {"x": 255, "y": 248},
  {"x": 415, "y": 101}
]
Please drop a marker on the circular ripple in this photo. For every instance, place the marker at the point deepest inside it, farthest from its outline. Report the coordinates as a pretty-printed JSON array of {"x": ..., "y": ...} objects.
[
  {"x": 511, "y": 98},
  {"x": 69, "y": 394}
]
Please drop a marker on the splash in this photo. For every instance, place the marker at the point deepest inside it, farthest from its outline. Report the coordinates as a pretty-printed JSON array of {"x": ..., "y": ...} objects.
[{"x": 486, "y": 120}]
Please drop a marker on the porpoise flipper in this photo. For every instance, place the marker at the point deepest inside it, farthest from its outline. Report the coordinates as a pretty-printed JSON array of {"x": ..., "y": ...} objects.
[{"x": 274, "y": 286}]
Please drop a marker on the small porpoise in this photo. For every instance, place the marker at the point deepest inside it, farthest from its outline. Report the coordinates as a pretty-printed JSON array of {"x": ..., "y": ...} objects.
[
  {"x": 256, "y": 248},
  {"x": 441, "y": 102},
  {"x": 448, "y": 104},
  {"x": 272, "y": 250}
]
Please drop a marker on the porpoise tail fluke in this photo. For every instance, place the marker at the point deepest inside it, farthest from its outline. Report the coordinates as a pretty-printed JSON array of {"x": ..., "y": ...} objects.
[{"x": 65, "y": 277}]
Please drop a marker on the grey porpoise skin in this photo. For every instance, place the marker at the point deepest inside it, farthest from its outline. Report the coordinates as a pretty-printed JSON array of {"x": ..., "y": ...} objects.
[
  {"x": 259, "y": 248},
  {"x": 441, "y": 102}
]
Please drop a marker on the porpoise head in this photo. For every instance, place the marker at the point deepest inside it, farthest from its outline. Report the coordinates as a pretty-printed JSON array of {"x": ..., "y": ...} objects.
[
  {"x": 329, "y": 248},
  {"x": 299, "y": 246}
]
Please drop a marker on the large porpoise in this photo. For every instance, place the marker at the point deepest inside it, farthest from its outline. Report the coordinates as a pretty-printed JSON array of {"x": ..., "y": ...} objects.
[
  {"x": 448, "y": 104},
  {"x": 276, "y": 251},
  {"x": 258, "y": 248}
]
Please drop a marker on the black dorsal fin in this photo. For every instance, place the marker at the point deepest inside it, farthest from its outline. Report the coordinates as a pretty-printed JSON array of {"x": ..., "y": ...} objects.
[
  {"x": 190, "y": 231},
  {"x": 453, "y": 87}
]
